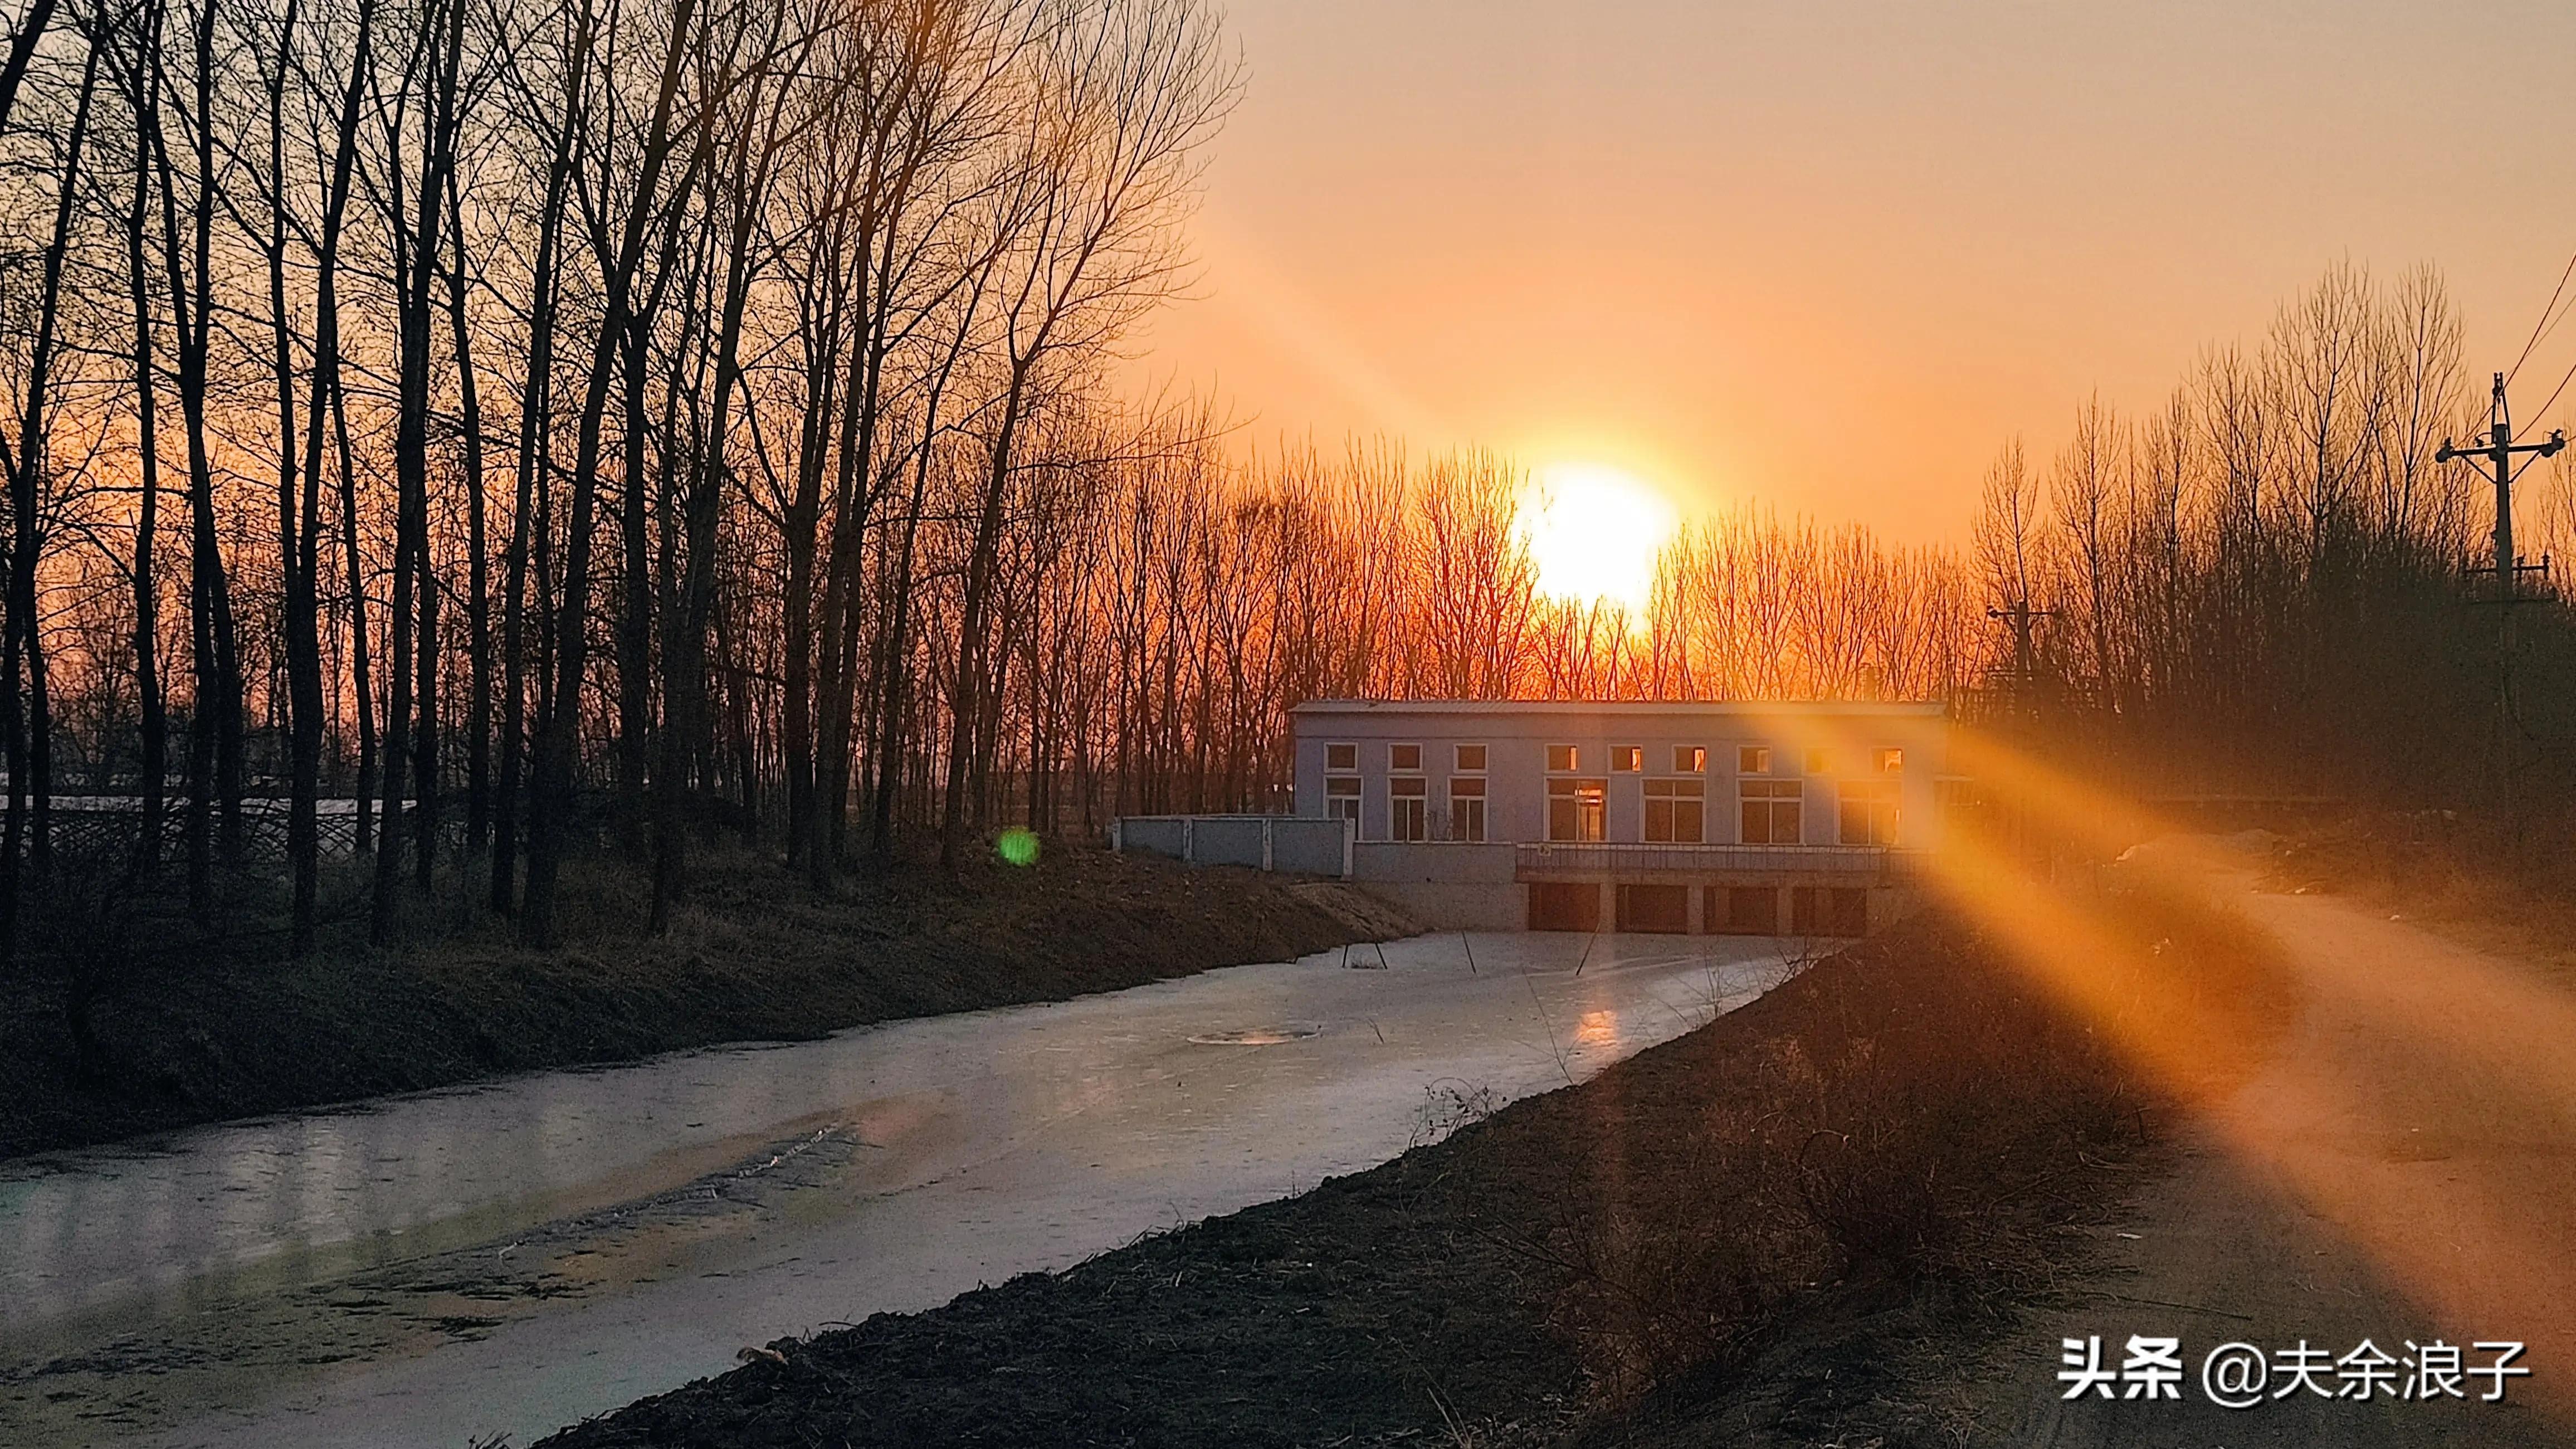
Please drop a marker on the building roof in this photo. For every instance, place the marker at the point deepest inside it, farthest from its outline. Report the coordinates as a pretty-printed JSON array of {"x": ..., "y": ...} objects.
[{"x": 1769, "y": 707}]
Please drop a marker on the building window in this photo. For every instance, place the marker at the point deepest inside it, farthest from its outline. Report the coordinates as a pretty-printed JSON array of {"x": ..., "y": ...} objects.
[
  {"x": 1690, "y": 760},
  {"x": 1574, "y": 809},
  {"x": 1866, "y": 812},
  {"x": 1408, "y": 808},
  {"x": 1341, "y": 757},
  {"x": 1563, "y": 759},
  {"x": 1342, "y": 797},
  {"x": 1752, "y": 760},
  {"x": 1771, "y": 811},
  {"x": 1627, "y": 759},
  {"x": 1675, "y": 811},
  {"x": 1467, "y": 806},
  {"x": 1404, "y": 757},
  {"x": 1890, "y": 760},
  {"x": 1471, "y": 759},
  {"x": 1818, "y": 762}
]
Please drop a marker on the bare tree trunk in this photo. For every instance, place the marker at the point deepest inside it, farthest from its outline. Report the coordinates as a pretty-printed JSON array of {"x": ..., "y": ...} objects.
[
  {"x": 478, "y": 595},
  {"x": 214, "y": 726},
  {"x": 834, "y": 686},
  {"x": 684, "y": 688},
  {"x": 301, "y": 530},
  {"x": 26, "y": 502},
  {"x": 965, "y": 705},
  {"x": 299, "y": 603},
  {"x": 536, "y": 432},
  {"x": 556, "y": 740},
  {"x": 22, "y": 50},
  {"x": 635, "y": 617},
  {"x": 415, "y": 654},
  {"x": 424, "y": 757},
  {"x": 801, "y": 525},
  {"x": 154, "y": 765},
  {"x": 895, "y": 668},
  {"x": 363, "y": 795}
]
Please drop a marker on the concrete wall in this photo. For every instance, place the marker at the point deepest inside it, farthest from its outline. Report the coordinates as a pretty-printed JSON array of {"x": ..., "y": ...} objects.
[
  {"x": 1446, "y": 907},
  {"x": 1516, "y": 738},
  {"x": 1447, "y": 886},
  {"x": 1260, "y": 842},
  {"x": 1229, "y": 840},
  {"x": 1437, "y": 861},
  {"x": 1162, "y": 835},
  {"x": 1309, "y": 847}
]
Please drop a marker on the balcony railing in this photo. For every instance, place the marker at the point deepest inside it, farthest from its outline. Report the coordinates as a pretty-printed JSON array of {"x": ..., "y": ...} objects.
[{"x": 1848, "y": 862}]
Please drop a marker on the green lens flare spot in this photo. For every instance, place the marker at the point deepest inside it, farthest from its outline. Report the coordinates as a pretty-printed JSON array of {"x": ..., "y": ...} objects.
[{"x": 1018, "y": 846}]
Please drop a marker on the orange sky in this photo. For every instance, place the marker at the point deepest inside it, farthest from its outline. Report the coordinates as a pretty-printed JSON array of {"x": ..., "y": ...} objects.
[{"x": 1830, "y": 253}]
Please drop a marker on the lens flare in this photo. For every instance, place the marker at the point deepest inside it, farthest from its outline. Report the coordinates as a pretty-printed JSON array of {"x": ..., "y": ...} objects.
[{"x": 2397, "y": 1063}]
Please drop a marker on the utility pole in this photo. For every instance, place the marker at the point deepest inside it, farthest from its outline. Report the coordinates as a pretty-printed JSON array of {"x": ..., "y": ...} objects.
[
  {"x": 2012, "y": 810},
  {"x": 2022, "y": 616},
  {"x": 2497, "y": 455}
]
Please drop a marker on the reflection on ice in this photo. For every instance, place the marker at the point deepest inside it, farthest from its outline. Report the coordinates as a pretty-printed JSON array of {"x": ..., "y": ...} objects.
[{"x": 974, "y": 1147}]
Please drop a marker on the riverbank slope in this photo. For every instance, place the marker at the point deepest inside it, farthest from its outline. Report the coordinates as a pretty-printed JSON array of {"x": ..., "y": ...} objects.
[
  {"x": 133, "y": 1020},
  {"x": 1774, "y": 1229}
]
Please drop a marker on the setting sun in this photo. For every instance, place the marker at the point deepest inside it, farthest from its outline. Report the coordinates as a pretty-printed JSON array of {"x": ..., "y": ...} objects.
[{"x": 1595, "y": 532}]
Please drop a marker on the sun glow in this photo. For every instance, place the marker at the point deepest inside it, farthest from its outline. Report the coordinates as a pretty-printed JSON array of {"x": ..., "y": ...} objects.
[{"x": 1594, "y": 532}]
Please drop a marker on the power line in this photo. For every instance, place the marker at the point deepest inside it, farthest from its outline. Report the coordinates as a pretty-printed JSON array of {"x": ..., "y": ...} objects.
[
  {"x": 2570, "y": 376},
  {"x": 2563, "y": 309},
  {"x": 2537, "y": 328}
]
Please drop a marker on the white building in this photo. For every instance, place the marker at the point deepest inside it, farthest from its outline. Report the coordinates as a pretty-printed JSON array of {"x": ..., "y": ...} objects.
[{"x": 1766, "y": 818}]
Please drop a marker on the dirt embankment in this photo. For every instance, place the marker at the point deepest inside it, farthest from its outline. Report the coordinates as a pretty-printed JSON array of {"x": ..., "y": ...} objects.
[
  {"x": 1716, "y": 1241},
  {"x": 134, "y": 1020},
  {"x": 2491, "y": 881}
]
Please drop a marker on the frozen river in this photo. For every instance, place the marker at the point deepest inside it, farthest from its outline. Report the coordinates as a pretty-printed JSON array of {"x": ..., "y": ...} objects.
[{"x": 453, "y": 1266}]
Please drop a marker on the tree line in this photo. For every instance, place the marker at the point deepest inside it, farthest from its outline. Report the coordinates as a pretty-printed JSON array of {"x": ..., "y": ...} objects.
[
  {"x": 481, "y": 408},
  {"x": 2269, "y": 584},
  {"x": 2272, "y": 582},
  {"x": 538, "y": 425}
]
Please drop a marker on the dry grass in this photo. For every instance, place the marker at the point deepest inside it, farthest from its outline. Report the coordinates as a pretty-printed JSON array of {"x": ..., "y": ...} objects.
[{"x": 1923, "y": 1120}]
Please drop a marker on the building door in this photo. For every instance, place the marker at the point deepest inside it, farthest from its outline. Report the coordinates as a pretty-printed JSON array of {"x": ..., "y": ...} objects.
[
  {"x": 1662, "y": 908},
  {"x": 1564, "y": 906},
  {"x": 1807, "y": 911},
  {"x": 1745, "y": 910},
  {"x": 1828, "y": 911}
]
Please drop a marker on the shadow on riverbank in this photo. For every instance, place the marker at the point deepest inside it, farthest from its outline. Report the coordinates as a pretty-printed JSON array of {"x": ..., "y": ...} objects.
[{"x": 129, "y": 1019}]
